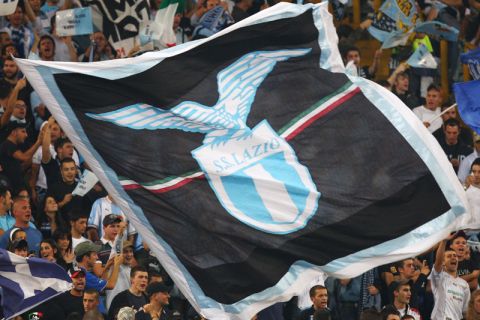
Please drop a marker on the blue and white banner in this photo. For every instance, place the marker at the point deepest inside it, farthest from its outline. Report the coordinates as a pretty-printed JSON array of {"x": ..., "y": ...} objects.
[
  {"x": 404, "y": 12},
  {"x": 472, "y": 59},
  {"x": 422, "y": 58},
  {"x": 74, "y": 22},
  {"x": 27, "y": 282},
  {"x": 438, "y": 29},
  {"x": 8, "y": 7}
]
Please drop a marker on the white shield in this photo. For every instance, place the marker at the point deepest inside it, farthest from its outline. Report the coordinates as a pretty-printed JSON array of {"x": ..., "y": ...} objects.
[{"x": 259, "y": 181}]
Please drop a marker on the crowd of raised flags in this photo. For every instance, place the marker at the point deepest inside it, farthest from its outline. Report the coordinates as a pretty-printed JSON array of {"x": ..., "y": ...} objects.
[{"x": 225, "y": 260}]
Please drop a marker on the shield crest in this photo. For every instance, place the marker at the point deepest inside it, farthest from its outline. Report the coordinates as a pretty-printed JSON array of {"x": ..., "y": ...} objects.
[{"x": 259, "y": 180}]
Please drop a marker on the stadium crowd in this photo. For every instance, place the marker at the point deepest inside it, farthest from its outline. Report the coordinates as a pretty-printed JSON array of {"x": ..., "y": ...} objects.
[{"x": 40, "y": 168}]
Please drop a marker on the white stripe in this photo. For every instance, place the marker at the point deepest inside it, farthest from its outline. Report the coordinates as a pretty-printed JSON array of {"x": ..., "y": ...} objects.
[
  {"x": 317, "y": 110},
  {"x": 162, "y": 185}
]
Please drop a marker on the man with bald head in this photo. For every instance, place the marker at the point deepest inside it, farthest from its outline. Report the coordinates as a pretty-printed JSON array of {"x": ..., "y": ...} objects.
[{"x": 22, "y": 212}]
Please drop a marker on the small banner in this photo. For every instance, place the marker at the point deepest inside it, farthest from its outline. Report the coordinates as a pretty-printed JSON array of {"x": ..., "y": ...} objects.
[
  {"x": 74, "y": 22},
  {"x": 8, "y": 7},
  {"x": 422, "y": 58},
  {"x": 86, "y": 183}
]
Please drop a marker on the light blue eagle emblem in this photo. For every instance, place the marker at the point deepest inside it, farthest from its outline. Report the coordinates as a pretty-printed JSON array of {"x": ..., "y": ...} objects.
[{"x": 254, "y": 172}]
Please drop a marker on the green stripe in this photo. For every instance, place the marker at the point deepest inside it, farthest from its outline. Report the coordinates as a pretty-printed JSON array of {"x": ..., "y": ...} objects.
[{"x": 316, "y": 105}]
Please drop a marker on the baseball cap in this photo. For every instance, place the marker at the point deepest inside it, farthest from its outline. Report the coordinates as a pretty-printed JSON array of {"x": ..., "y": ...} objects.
[
  {"x": 111, "y": 219},
  {"x": 76, "y": 272},
  {"x": 155, "y": 287},
  {"x": 86, "y": 247},
  {"x": 12, "y": 233}
]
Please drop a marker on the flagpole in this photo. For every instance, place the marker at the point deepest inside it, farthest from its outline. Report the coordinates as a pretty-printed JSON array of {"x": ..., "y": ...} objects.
[{"x": 442, "y": 113}]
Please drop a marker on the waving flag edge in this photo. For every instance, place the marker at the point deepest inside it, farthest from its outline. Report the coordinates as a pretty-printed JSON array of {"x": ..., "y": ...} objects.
[{"x": 41, "y": 76}]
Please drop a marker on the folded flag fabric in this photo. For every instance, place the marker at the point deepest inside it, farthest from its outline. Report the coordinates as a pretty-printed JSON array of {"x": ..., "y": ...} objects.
[
  {"x": 467, "y": 95},
  {"x": 27, "y": 282},
  {"x": 250, "y": 163}
]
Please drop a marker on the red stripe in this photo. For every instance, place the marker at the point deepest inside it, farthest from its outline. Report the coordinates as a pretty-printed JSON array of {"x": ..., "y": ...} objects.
[
  {"x": 289, "y": 137},
  {"x": 322, "y": 113}
]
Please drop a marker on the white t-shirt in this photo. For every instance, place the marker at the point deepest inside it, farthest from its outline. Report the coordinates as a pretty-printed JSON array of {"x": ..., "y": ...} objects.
[
  {"x": 451, "y": 296},
  {"x": 76, "y": 242},
  {"x": 37, "y": 159},
  {"x": 426, "y": 115}
]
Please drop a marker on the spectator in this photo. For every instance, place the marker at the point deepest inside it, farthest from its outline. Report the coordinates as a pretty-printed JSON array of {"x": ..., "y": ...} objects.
[
  {"x": 86, "y": 256},
  {"x": 473, "y": 191},
  {"x": 123, "y": 281},
  {"x": 78, "y": 226},
  {"x": 48, "y": 219},
  {"x": 451, "y": 292},
  {"x": 319, "y": 297},
  {"x": 401, "y": 90},
  {"x": 65, "y": 48},
  {"x": 112, "y": 226},
  {"x": 102, "y": 48},
  {"x": 91, "y": 300},
  {"x": 22, "y": 213},
  {"x": 22, "y": 37},
  {"x": 38, "y": 180},
  {"x": 134, "y": 296},
  {"x": 101, "y": 208},
  {"x": 466, "y": 165},
  {"x": 72, "y": 301},
  {"x": 157, "y": 308},
  {"x": 19, "y": 247},
  {"x": 468, "y": 268},
  {"x": 390, "y": 313},
  {"x": 401, "y": 300},
  {"x": 63, "y": 240},
  {"x": 352, "y": 53},
  {"x": 12, "y": 158},
  {"x": 465, "y": 136},
  {"x": 46, "y": 48},
  {"x": 430, "y": 112},
  {"x": 6, "y": 220},
  {"x": 63, "y": 149},
  {"x": 62, "y": 190},
  {"x": 455, "y": 150},
  {"x": 473, "y": 312}
]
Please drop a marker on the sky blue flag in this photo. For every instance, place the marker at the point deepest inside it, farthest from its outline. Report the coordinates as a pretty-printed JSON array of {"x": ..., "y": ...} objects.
[
  {"x": 468, "y": 100},
  {"x": 436, "y": 28},
  {"x": 27, "y": 282},
  {"x": 472, "y": 59}
]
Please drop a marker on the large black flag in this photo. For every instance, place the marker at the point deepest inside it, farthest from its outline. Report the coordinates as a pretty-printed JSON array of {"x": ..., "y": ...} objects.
[{"x": 249, "y": 167}]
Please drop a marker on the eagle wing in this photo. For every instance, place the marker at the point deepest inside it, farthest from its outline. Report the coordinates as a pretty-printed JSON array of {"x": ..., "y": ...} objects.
[
  {"x": 143, "y": 116},
  {"x": 238, "y": 83}
]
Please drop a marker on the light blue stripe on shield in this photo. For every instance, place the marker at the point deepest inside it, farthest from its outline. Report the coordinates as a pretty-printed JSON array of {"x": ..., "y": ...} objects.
[{"x": 263, "y": 193}]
